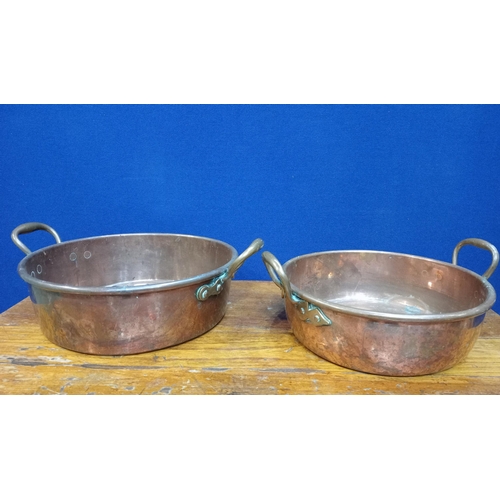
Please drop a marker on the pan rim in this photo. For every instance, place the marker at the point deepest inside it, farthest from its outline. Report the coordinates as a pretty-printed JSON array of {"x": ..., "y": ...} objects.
[
  {"x": 106, "y": 290},
  {"x": 395, "y": 317}
]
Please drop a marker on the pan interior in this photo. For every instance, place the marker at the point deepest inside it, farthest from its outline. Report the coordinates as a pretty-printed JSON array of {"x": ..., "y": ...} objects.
[
  {"x": 385, "y": 283},
  {"x": 128, "y": 260}
]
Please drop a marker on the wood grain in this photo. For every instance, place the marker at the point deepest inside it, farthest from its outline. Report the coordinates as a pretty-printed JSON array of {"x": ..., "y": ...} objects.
[{"x": 251, "y": 351}]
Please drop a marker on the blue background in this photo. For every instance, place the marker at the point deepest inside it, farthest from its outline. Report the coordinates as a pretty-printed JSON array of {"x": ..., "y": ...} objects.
[{"x": 405, "y": 178}]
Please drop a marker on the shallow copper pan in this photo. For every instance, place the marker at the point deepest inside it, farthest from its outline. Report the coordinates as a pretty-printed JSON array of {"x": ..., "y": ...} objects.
[
  {"x": 385, "y": 313},
  {"x": 128, "y": 293}
]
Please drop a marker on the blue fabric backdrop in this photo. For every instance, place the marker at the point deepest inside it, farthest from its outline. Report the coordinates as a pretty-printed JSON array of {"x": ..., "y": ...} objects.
[{"x": 410, "y": 178}]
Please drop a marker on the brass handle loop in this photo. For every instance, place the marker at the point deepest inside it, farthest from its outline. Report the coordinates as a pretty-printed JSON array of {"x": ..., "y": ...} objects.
[
  {"x": 30, "y": 227},
  {"x": 277, "y": 273},
  {"x": 254, "y": 247},
  {"x": 485, "y": 245}
]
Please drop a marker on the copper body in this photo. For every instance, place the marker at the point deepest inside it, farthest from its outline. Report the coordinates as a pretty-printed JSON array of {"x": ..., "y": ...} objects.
[
  {"x": 386, "y": 348},
  {"x": 126, "y": 324},
  {"x": 385, "y": 313},
  {"x": 132, "y": 293}
]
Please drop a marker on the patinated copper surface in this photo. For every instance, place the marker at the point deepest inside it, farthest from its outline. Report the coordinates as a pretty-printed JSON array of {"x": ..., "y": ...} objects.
[
  {"x": 132, "y": 293},
  {"x": 387, "y": 348},
  {"x": 127, "y": 324},
  {"x": 384, "y": 313}
]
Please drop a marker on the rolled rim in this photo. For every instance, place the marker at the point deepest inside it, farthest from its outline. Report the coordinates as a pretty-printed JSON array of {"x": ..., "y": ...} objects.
[
  {"x": 393, "y": 317},
  {"x": 126, "y": 290}
]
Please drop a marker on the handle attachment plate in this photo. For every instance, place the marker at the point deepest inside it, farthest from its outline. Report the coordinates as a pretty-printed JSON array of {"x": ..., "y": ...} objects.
[
  {"x": 217, "y": 284},
  {"x": 307, "y": 312}
]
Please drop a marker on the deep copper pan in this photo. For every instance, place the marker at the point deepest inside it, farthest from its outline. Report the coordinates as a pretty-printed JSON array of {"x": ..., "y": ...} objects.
[
  {"x": 385, "y": 313},
  {"x": 128, "y": 293}
]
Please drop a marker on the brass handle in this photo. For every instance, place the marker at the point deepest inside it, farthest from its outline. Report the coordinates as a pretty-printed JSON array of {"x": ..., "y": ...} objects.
[
  {"x": 254, "y": 247},
  {"x": 216, "y": 285},
  {"x": 485, "y": 245},
  {"x": 29, "y": 227},
  {"x": 277, "y": 273},
  {"x": 306, "y": 311}
]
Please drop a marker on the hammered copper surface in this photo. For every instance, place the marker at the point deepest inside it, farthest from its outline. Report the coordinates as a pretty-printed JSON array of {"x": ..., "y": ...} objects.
[
  {"x": 126, "y": 324},
  {"x": 125, "y": 294},
  {"x": 384, "y": 313},
  {"x": 387, "y": 348}
]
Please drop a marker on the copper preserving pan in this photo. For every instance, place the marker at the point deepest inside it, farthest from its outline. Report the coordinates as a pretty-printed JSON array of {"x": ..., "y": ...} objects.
[
  {"x": 385, "y": 313},
  {"x": 128, "y": 293}
]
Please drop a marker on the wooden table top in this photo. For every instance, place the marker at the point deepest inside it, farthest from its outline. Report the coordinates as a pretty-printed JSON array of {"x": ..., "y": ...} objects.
[{"x": 251, "y": 351}]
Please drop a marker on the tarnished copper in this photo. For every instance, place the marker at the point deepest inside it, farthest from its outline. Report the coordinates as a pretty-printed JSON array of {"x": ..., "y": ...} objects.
[
  {"x": 129, "y": 293},
  {"x": 384, "y": 313}
]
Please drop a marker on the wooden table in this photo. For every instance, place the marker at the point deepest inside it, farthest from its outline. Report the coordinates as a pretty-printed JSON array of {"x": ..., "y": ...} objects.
[{"x": 251, "y": 351}]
